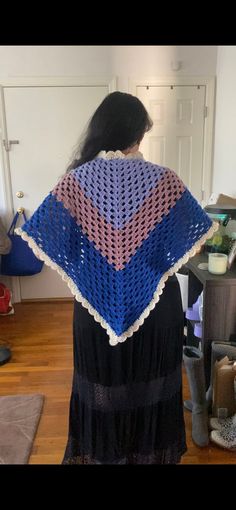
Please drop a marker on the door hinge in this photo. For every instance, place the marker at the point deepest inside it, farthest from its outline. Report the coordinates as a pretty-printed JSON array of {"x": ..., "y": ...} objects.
[
  {"x": 203, "y": 194},
  {"x": 7, "y": 144},
  {"x": 205, "y": 111}
]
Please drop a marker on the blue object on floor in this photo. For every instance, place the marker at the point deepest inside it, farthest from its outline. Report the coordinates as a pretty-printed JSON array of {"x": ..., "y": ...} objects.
[{"x": 5, "y": 355}]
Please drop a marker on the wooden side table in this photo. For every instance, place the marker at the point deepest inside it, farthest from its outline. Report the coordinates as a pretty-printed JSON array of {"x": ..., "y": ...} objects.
[{"x": 219, "y": 306}]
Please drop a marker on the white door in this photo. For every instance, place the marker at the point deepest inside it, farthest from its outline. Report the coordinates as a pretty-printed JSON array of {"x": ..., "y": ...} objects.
[
  {"x": 48, "y": 122},
  {"x": 177, "y": 137}
]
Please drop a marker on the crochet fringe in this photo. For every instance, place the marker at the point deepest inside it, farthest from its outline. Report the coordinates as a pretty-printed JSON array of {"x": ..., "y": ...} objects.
[{"x": 113, "y": 338}]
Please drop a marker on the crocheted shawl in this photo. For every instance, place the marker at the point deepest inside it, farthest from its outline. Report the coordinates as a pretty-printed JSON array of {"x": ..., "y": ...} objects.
[{"x": 115, "y": 229}]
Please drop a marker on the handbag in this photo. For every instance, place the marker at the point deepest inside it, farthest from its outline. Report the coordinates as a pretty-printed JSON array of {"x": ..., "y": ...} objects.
[{"x": 20, "y": 261}]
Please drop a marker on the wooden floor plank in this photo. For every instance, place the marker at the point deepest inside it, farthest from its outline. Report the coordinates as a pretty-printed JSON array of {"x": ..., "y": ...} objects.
[{"x": 40, "y": 337}]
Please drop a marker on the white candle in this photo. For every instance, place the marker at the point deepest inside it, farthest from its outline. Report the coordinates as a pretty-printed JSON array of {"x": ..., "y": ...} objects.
[{"x": 217, "y": 263}]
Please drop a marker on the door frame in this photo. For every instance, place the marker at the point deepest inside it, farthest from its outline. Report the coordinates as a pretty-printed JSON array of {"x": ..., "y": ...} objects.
[
  {"x": 5, "y": 175},
  {"x": 209, "y": 118}
]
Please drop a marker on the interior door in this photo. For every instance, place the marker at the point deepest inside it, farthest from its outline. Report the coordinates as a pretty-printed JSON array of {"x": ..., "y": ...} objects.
[
  {"x": 47, "y": 122},
  {"x": 177, "y": 137}
]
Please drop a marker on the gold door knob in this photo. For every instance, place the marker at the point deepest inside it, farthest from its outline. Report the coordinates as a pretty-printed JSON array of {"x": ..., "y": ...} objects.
[
  {"x": 20, "y": 210},
  {"x": 19, "y": 194}
]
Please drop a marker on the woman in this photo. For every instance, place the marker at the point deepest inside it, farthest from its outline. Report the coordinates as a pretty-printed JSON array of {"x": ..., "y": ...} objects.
[{"x": 117, "y": 228}]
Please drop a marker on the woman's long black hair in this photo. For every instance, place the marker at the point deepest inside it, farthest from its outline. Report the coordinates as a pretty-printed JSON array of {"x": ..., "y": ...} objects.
[{"x": 119, "y": 122}]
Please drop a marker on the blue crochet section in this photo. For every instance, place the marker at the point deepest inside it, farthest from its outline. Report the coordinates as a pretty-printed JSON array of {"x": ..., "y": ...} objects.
[{"x": 119, "y": 296}]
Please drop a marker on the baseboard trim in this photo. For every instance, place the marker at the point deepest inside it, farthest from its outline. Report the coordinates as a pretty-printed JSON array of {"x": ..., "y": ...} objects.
[{"x": 48, "y": 300}]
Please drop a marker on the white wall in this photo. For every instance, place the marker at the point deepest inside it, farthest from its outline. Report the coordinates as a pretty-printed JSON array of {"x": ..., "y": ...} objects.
[
  {"x": 123, "y": 61},
  {"x": 224, "y": 175},
  {"x": 54, "y": 61},
  {"x": 120, "y": 61},
  {"x": 154, "y": 61},
  {"x": 51, "y": 61}
]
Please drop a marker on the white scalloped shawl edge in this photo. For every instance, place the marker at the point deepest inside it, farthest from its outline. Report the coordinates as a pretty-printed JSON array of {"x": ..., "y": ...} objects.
[{"x": 113, "y": 338}]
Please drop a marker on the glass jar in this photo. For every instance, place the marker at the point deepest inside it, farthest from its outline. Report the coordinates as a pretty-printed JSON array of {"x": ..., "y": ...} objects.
[
  {"x": 232, "y": 240},
  {"x": 220, "y": 242},
  {"x": 224, "y": 238}
]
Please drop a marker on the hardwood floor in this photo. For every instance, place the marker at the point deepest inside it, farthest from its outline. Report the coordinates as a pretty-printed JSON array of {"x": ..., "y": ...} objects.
[{"x": 40, "y": 337}]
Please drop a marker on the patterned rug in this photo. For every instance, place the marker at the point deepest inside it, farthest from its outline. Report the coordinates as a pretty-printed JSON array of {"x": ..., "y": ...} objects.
[{"x": 19, "y": 419}]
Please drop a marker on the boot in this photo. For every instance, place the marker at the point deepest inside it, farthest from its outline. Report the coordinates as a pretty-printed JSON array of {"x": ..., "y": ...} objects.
[
  {"x": 218, "y": 351},
  {"x": 193, "y": 360}
]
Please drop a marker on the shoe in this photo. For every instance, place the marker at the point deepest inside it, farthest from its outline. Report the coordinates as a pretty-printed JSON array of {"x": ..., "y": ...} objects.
[
  {"x": 226, "y": 440},
  {"x": 222, "y": 423}
]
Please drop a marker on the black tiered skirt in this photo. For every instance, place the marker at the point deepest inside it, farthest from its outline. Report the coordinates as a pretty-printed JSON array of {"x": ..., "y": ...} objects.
[{"x": 126, "y": 404}]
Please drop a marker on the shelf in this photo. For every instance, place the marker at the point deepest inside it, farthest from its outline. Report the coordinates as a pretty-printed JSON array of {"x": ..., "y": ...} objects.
[
  {"x": 229, "y": 278},
  {"x": 219, "y": 307}
]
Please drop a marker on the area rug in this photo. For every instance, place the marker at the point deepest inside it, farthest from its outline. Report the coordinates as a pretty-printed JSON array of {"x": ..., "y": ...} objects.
[{"x": 19, "y": 419}]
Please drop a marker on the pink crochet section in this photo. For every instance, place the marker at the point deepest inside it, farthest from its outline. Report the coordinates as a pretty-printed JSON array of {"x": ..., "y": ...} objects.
[{"x": 119, "y": 245}]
